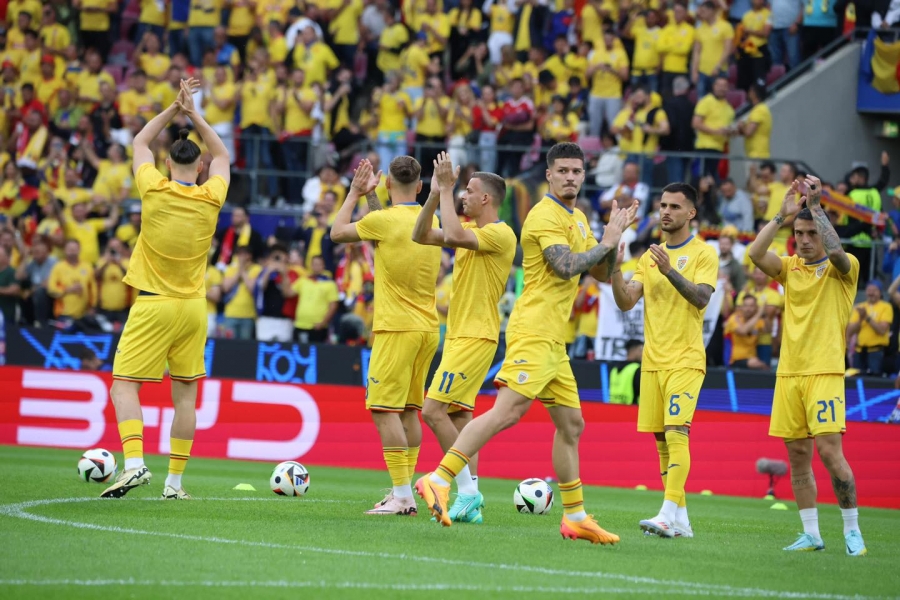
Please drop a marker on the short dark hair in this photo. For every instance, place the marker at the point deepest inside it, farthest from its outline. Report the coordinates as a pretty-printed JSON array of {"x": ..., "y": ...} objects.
[
  {"x": 760, "y": 90},
  {"x": 493, "y": 184},
  {"x": 27, "y": 86},
  {"x": 277, "y": 247},
  {"x": 768, "y": 165},
  {"x": 709, "y": 4},
  {"x": 405, "y": 170},
  {"x": 564, "y": 150},
  {"x": 632, "y": 344},
  {"x": 31, "y": 33},
  {"x": 642, "y": 88},
  {"x": 793, "y": 168},
  {"x": 184, "y": 151},
  {"x": 804, "y": 215},
  {"x": 682, "y": 188}
]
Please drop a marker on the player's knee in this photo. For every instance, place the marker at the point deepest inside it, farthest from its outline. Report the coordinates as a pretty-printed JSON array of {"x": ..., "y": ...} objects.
[
  {"x": 799, "y": 453},
  {"x": 123, "y": 392},
  {"x": 832, "y": 456},
  {"x": 433, "y": 412},
  {"x": 572, "y": 428}
]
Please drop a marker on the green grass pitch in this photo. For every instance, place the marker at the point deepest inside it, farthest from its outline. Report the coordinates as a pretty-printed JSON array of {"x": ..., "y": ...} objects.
[{"x": 58, "y": 541}]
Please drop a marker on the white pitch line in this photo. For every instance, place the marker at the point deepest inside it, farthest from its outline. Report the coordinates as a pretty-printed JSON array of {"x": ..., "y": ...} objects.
[{"x": 20, "y": 510}]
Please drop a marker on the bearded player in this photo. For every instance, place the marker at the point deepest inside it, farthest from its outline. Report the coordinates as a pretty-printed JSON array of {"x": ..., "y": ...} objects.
[
  {"x": 557, "y": 246},
  {"x": 406, "y": 322},
  {"x": 676, "y": 280},
  {"x": 485, "y": 248},
  {"x": 808, "y": 408},
  {"x": 168, "y": 268}
]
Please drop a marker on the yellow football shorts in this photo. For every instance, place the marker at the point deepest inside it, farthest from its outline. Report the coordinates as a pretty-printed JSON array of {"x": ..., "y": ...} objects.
[
  {"x": 160, "y": 329},
  {"x": 398, "y": 370},
  {"x": 464, "y": 365},
  {"x": 539, "y": 368},
  {"x": 808, "y": 406},
  {"x": 668, "y": 398}
]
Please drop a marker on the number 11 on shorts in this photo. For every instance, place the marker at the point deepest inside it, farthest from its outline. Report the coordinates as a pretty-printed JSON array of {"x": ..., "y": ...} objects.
[{"x": 446, "y": 380}]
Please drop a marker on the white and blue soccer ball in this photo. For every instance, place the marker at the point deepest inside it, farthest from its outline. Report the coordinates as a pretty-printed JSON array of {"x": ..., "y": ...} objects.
[
  {"x": 533, "y": 497},
  {"x": 289, "y": 478},
  {"x": 97, "y": 465}
]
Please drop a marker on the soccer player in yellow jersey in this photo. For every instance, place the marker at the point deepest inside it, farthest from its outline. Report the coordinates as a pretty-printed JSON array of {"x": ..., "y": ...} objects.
[
  {"x": 406, "y": 322},
  {"x": 557, "y": 246},
  {"x": 676, "y": 280},
  {"x": 485, "y": 248},
  {"x": 168, "y": 320},
  {"x": 808, "y": 408}
]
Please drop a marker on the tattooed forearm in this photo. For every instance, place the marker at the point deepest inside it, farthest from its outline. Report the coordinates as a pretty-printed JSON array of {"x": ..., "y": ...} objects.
[
  {"x": 373, "y": 201},
  {"x": 845, "y": 491},
  {"x": 696, "y": 294},
  {"x": 830, "y": 240},
  {"x": 610, "y": 263},
  {"x": 567, "y": 264}
]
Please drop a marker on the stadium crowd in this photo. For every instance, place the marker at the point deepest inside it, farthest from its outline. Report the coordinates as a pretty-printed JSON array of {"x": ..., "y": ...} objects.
[{"x": 299, "y": 91}]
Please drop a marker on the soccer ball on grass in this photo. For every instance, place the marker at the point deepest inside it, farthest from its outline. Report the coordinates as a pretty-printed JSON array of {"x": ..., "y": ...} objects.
[
  {"x": 533, "y": 497},
  {"x": 289, "y": 479},
  {"x": 97, "y": 465}
]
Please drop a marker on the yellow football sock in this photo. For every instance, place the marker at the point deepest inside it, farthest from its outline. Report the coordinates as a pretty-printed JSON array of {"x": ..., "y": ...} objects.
[
  {"x": 132, "y": 434},
  {"x": 453, "y": 463},
  {"x": 663, "y": 450},
  {"x": 397, "y": 465},
  {"x": 412, "y": 457},
  {"x": 679, "y": 465},
  {"x": 572, "y": 497},
  {"x": 179, "y": 453}
]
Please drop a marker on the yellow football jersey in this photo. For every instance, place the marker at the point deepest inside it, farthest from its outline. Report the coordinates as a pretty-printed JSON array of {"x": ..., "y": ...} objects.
[
  {"x": 405, "y": 272},
  {"x": 546, "y": 301},
  {"x": 178, "y": 222},
  {"x": 817, "y": 304},
  {"x": 479, "y": 279},
  {"x": 673, "y": 327}
]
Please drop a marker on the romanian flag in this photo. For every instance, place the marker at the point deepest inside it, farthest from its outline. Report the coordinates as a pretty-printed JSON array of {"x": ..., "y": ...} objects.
[
  {"x": 881, "y": 64},
  {"x": 844, "y": 205}
]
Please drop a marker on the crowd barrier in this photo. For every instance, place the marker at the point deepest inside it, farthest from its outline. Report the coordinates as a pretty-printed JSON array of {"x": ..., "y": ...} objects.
[{"x": 328, "y": 425}]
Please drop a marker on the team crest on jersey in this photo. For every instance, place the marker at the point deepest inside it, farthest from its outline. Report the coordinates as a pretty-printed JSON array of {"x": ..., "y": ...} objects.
[
  {"x": 523, "y": 377},
  {"x": 681, "y": 263},
  {"x": 582, "y": 229},
  {"x": 820, "y": 270}
]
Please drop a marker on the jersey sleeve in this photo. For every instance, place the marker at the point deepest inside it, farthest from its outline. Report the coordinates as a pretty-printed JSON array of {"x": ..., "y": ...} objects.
[
  {"x": 702, "y": 109},
  {"x": 217, "y": 188},
  {"x": 707, "y": 268},
  {"x": 886, "y": 314},
  {"x": 146, "y": 177},
  {"x": 852, "y": 276},
  {"x": 332, "y": 295},
  {"x": 854, "y": 314},
  {"x": 372, "y": 227},
  {"x": 785, "y": 266},
  {"x": 491, "y": 239}
]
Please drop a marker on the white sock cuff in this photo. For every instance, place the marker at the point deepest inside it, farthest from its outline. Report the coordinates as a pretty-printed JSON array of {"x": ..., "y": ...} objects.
[{"x": 403, "y": 491}]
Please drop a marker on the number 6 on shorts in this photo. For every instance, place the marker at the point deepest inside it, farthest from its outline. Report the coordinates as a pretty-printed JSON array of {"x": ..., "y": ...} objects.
[{"x": 674, "y": 409}]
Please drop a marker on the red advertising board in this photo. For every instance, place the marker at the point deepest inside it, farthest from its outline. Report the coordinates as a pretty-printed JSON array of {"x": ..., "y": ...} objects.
[{"x": 328, "y": 425}]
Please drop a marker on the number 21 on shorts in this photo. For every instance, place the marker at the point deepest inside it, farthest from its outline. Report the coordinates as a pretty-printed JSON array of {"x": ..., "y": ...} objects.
[{"x": 824, "y": 407}]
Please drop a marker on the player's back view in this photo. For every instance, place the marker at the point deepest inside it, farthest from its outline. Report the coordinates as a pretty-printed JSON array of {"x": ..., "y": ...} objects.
[
  {"x": 167, "y": 323},
  {"x": 406, "y": 322}
]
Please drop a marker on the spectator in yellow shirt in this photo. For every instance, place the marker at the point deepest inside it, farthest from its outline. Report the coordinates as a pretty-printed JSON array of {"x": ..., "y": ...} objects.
[
  {"x": 49, "y": 85},
  {"x": 430, "y": 113},
  {"x": 745, "y": 327},
  {"x": 30, "y": 59},
  {"x": 54, "y": 36},
  {"x": 152, "y": 19},
  {"x": 76, "y": 226},
  {"x": 676, "y": 43},
  {"x": 295, "y": 104},
  {"x": 95, "y": 23},
  {"x": 436, "y": 25},
  {"x": 644, "y": 28},
  {"x": 870, "y": 322},
  {"x": 220, "y": 102},
  {"x": 149, "y": 58},
  {"x": 315, "y": 57},
  {"x": 344, "y": 28},
  {"x": 72, "y": 284},
  {"x": 88, "y": 80},
  {"x": 238, "y": 286},
  {"x": 317, "y": 301},
  {"x": 114, "y": 296},
  {"x": 204, "y": 17},
  {"x": 757, "y": 127},
  {"x": 753, "y": 57},
  {"x": 714, "y": 122},
  {"x": 393, "y": 39},
  {"x": 712, "y": 47},
  {"x": 136, "y": 101},
  {"x": 394, "y": 106},
  {"x": 257, "y": 98},
  {"x": 607, "y": 70}
]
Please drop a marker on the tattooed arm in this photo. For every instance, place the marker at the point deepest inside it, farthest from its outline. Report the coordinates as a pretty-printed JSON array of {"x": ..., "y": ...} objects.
[
  {"x": 830, "y": 238},
  {"x": 373, "y": 201},
  {"x": 697, "y": 294},
  {"x": 567, "y": 264}
]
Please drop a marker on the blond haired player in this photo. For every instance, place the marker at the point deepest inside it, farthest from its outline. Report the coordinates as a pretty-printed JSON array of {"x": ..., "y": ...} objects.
[
  {"x": 406, "y": 322},
  {"x": 676, "y": 280},
  {"x": 485, "y": 248},
  {"x": 168, "y": 268},
  {"x": 808, "y": 408},
  {"x": 557, "y": 247}
]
